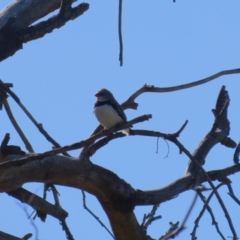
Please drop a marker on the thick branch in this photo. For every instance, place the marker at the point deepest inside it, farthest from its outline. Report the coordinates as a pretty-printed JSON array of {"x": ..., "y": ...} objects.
[
  {"x": 19, "y": 15},
  {"x": 117, "y": 197},
  {"x": 27, "y": 12}
]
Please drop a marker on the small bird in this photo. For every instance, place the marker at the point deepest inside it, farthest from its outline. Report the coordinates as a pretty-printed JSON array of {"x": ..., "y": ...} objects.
[{"x": 108, "y": 111}]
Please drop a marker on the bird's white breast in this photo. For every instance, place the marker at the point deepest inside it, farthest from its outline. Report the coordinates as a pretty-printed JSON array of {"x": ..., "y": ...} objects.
[{"x": 107, "y": 115}]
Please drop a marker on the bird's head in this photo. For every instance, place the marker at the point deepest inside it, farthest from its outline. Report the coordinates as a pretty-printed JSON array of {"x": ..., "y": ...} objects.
[{"x": 103, "y": 95}]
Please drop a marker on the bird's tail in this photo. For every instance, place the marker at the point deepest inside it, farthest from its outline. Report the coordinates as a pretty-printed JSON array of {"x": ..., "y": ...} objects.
[{"x": 126, "y": 131}]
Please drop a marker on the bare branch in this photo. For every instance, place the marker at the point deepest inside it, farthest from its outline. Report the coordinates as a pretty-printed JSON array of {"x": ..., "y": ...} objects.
[
  {"x": 231, "y": 193},
  {"x": 150, "y": 217},
  {"x": 236, "y": 154},
  {"x": 7, "y": 236},
  {"x": 15, "y": 19},
  {"x": 129, "y": 103},
  {"x": 5, "y": 140},
  {"x": 31, "y": 220},
  {"x": 96, "y": 217},
  {"x": 174, "y": 233},
  {"x": 120, "y": 32},
  {"x": 16, "y": 126},
  {"x": 211, "y": 184},
  {"x": 102, "y": 142},
  {"x": 77, "y": 145},
  {"x": 218, "y": 134},
  {"x": 6, "y": 88},
  {"x": 38, "y": 203},
  {"x": 206, "y": 206},
  {"x": 63, "y": 220},
  {"x": 172, "y": 228},
  {"x": 57, "y": 21}
]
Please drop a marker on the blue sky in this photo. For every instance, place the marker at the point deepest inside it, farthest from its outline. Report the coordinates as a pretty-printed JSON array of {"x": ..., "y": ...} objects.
[{"x": 165, "y": 44}]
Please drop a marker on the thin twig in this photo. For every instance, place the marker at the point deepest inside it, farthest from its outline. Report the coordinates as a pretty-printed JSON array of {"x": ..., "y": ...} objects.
[
  {"x": 16, "y": 126},
  {"x": 157, "y": 145},
  {"x": 172, "y": 228},
  {"x": 231, "y": 193},
  {"x": 66, "y": 229},
  {"x": 206, "y": 206},
  {"x": 168, "y": 148},
  {"x": 150, "y": 217},
  {"x": 183, "y": 149},
  {"x": 96, "y": 217},
  {"x": 120, "y": 32},
  {"x": 31, "y": 221},
  {"x": 5, "y": 140},
  {"x": 182, "y": 226},
  {"x": 62, "y": 221},
  {"x": 29, "y": 115}
]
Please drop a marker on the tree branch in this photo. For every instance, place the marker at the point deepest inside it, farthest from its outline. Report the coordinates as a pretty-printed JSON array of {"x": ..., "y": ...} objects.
[
  {"x": 16, "y": 18},
  {"x": 5, "y": 87},
  {"x": 77, "y": 145},
  {"x": 116, "y": 196},
  {"x": 38, "y": 203},
  {"x": 130, "y": 103},
  {"x": 6, "y": 236},
  {"x": 15, "y": 124},
  {"x": 218, "y": 134}
]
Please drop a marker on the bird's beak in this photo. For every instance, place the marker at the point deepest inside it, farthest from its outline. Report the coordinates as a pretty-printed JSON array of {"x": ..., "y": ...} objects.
[{"x": 97, "y": 94}]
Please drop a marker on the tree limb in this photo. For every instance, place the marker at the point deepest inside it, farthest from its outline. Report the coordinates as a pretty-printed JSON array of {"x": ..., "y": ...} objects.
[
  {"x": 19, "y": 15},
  {"x": 38, "y": 203},
  {"x": 130, "y": 103}
]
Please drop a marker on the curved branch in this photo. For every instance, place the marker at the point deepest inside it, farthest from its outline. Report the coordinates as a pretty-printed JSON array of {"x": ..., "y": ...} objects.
[
  {"x": 116, "y": 196},
  {"x": 129, "y": 103}
]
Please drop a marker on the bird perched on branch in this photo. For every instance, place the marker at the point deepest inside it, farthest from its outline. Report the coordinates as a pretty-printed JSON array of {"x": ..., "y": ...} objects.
[{"x": 107, "y": 110}]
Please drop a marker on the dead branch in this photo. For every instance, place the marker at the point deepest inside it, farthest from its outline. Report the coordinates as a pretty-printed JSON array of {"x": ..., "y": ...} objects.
[
  {"x": 236, "y": 154},
  {"x": 206, "y": 206},
  {"x": 207, "y": 177},
  {"x": 116, "y": 196},
  {"x": 94, "y": 215},
  {"x": 38, "y": 203},
  {"x": 150, "y": 217},
  {"x": 172, "y": 228},
  {"x": 130, "y": 103},
  {"x": 16, "y": 126},
  {"x": 77, "y": 145},
  {"x": 6, "y": 88},
  {"x": 174, "y": 232},
  {"x": 231, "y": 193},
  {"x": 39, "y": 30},
  {"x": 7, "y": 236},
  {"x": 218, "y": 134},
  {"x": 120, "y": 32},
  {"x": 18, "y": 16}
]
